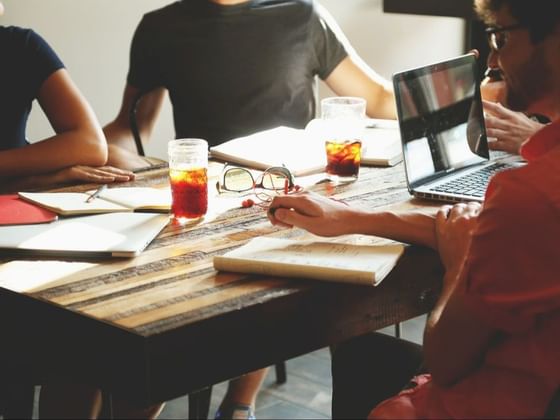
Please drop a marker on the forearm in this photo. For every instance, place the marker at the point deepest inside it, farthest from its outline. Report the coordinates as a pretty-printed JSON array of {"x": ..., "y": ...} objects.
[
  {"x": 71, "y": 175},
  {"x": 382, "y": 105},
  {"x": 76, "y": 147},
  {"x": 26, "y": 183},
  {"x": 409, "y": 227},
  {"x": 119, "y": 134},
  {"x": 352, "y": 77}
]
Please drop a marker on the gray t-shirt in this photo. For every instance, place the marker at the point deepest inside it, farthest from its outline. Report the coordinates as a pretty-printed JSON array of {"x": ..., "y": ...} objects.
[{"x": 235, "y": 70}]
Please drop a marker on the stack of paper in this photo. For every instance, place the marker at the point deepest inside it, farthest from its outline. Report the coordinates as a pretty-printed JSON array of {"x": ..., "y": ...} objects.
[
  {"x": 303, "y": 151},
  {"x": 381, "y": 144},
  {"x": 281, "y": 146}
]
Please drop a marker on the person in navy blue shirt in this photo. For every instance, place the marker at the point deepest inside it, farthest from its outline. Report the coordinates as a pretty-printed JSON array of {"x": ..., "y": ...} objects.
[{"x": 77, "y": 151}]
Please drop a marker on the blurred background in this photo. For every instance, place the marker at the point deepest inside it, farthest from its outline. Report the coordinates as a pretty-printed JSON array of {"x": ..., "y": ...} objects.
[{"x": 93, "y": 37}]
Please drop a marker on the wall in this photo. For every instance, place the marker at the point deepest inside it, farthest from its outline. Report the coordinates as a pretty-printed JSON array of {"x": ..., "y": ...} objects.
[{"x": 93, "y": 38}]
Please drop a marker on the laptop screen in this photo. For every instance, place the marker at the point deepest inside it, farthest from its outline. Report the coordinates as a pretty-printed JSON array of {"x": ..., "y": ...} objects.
[{"x": 441, "y": 118}]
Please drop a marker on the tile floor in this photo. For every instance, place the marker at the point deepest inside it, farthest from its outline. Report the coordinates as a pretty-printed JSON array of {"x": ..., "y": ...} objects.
[{"x": 306, "y": 395}]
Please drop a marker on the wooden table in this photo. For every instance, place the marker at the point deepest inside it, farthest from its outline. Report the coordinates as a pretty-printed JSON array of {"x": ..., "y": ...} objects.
[{"x": 165, "y": 323}]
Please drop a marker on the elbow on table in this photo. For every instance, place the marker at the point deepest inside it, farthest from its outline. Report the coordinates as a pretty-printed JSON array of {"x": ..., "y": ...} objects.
[{"x": 93, "y": 147}]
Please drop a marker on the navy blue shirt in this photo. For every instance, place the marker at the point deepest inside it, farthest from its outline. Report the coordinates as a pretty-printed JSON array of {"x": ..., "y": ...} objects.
[
  {"x": 26, "y": 62},
  {"x": 234, "y": 70}
]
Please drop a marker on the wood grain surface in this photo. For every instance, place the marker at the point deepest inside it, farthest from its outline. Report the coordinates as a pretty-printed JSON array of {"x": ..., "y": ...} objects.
[{"x": 164, "y": 323}]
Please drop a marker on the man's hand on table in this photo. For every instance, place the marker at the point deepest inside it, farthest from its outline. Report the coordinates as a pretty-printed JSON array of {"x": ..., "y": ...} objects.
[
  {"x": 454, "y": 229},
  {"x": 317, "y": 214}
]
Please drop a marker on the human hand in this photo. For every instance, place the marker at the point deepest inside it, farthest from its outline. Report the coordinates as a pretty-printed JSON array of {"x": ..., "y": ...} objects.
[
  {"x": 454, "y": 228},
  {"x": 98, "y": 175},
  {"x": 509, "y": 128},
  {"x": 319, "y": 215}
]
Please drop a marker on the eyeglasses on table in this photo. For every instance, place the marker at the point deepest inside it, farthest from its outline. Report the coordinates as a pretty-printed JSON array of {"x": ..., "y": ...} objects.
[{"x": 274, "y": 180}]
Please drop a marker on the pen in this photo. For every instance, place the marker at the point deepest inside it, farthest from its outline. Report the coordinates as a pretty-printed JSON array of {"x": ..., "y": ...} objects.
[{"x": 96, "y": 193}]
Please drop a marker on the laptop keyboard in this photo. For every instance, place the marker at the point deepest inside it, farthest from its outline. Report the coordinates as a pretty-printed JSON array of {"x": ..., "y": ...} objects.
[{"x": 473, "y": 184}]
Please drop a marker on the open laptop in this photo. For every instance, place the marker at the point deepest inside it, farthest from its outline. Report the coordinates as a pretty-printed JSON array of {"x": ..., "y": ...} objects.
[
  {"x": 443, "y": 135},
  {"x": 102, "y": 235}
]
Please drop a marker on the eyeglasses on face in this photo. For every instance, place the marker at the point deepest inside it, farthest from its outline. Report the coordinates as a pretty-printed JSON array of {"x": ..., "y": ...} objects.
[
  {"x": 237, "y": 179},
  {"x": 497, "y": 36}
]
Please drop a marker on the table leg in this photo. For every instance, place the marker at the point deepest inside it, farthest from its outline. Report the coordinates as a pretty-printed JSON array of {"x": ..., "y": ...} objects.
[
  {"x": 199, "y": 403},
  {"x": 106, "y": 406}
]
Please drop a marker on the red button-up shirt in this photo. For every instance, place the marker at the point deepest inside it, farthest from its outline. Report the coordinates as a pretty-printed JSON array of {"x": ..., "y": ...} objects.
[{"x": 513, "y": 283}]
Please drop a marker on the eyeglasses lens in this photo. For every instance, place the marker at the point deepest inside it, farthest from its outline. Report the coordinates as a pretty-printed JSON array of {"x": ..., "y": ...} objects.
[
  {"x": 238, "y": 180},
  {"x": 272, "y": 180},
  {"x": 498, "y": 40}
]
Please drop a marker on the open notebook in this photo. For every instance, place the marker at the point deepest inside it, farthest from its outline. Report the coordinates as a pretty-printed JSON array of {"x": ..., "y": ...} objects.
[
  {"x": 110, "y": 200},
  {"x": 100, "y": 235}
]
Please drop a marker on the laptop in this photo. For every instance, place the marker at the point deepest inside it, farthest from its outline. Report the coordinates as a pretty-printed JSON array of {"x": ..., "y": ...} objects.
[
  {"x": 443, "y": 136},
  {"x": 101, "y": 235}
]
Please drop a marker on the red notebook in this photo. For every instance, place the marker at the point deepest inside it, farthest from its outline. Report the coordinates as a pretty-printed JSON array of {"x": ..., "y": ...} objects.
[{"x": 14, "y": 211}]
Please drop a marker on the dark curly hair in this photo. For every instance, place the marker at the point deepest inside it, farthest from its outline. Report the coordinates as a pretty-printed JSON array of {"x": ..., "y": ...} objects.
[{"x": 540, "y": 17}]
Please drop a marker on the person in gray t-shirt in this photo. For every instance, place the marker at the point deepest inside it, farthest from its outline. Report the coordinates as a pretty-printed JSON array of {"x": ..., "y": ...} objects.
[{"x": 233, "y": 68}]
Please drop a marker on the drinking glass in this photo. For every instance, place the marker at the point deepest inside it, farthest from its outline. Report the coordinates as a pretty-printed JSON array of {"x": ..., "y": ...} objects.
[
  {"x": 343, "y": 121},
  {"x": 188, "y": 176}
]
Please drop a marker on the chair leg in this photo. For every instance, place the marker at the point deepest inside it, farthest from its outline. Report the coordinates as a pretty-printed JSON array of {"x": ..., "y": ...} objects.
[
  {"x": 19, "y": 400},
  {"x": 199, "y": 403},
  {"x": 106, "y": 406},
  {"x": 281, "y": 377}
]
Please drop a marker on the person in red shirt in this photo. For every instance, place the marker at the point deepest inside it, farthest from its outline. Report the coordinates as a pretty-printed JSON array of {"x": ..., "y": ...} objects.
[{"x": 491, "y": 343}]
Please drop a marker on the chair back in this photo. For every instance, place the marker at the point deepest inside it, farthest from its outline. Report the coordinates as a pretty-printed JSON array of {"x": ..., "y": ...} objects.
[{"x": 134, "y": 124}]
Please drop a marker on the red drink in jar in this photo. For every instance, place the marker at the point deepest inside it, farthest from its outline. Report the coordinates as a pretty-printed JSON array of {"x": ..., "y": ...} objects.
[
  {"x": 343, "y": 158},
  {"x": 189, "y": 189}
]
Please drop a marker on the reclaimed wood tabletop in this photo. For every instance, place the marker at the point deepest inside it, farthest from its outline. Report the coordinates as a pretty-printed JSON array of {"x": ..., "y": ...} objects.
[{"x": 165, "y": 323}]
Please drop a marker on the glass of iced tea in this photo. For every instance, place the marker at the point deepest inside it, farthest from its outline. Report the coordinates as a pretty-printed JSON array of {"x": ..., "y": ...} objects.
[
  {"x": 343, "y": 124},
  {"x": 188, "y": 176}
]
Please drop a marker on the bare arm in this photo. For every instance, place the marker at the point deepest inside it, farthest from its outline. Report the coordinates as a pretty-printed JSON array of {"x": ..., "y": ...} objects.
[
  {"x": 70, "y": 175},
  {"x": 327, "y": 217},
  {"x": 122, "y": 149},
  {"x": 78, "y": 139},
  {"x": 455, "y": 339},
  {"x": 352, "y": 77}
]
